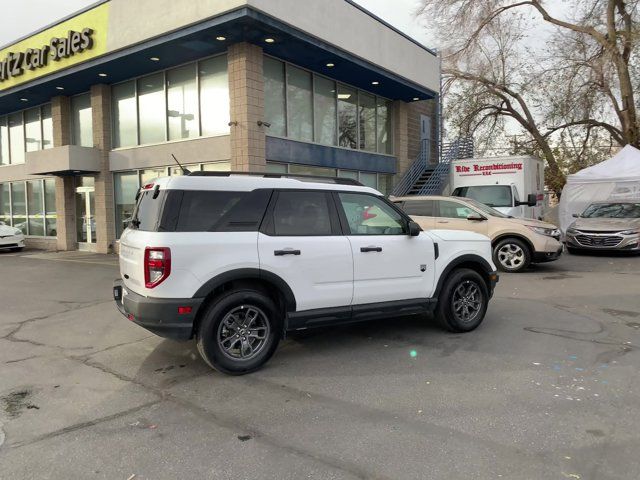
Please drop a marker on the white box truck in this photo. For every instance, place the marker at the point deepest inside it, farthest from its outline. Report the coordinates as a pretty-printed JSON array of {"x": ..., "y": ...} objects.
[{"x": 512, "y": 185}]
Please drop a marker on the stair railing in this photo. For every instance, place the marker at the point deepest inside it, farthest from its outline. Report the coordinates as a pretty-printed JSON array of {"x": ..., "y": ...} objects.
[
  {"x": 412, "y": 175},
  {"x": 460, "y": 148}
]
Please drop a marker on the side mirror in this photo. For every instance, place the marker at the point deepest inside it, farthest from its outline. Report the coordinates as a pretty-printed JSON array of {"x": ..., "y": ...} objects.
[
  {"x": 532, "y": 200},
  {"x": 476, "y": 218},
  {"x": 576, "y": 215},
  {"x": 414, "y": 229}
]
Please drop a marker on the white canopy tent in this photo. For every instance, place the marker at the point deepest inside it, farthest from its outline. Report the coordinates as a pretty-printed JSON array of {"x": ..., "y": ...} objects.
[{"x": 615, "y": 179}]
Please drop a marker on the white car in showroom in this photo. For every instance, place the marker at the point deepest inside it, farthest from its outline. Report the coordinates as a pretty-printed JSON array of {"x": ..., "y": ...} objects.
[{"x": 11, "y": 238}]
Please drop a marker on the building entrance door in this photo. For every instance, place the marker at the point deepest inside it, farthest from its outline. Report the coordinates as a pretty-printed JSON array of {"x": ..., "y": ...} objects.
[{"x": 85, "y": 213}]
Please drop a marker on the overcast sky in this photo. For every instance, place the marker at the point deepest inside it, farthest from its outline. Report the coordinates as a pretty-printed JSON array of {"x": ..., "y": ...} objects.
[{"x": 27, "y": 16}]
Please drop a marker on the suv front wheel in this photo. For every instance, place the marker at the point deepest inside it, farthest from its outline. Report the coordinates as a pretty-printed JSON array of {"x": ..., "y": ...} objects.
[
  {"x": 463, "y": 301},
  {"x": 239, "y": 332}
]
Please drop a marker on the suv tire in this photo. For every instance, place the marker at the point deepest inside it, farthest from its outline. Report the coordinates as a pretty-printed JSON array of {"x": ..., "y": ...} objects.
[
  {"x": 239, "y": 332},
  {"x": 511, "y": 255},
  {"x": 463, "y": 300}
]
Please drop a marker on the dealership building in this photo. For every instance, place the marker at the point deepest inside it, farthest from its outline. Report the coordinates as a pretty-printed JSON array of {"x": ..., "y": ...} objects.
[{"x": 95, "y": 105}]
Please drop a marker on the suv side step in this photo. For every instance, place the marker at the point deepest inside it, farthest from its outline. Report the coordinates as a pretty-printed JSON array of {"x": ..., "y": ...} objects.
[{"x": 358, "y": 313}]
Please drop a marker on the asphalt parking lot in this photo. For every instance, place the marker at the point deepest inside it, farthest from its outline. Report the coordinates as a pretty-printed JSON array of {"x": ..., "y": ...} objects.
[{"x": 546, "y": 388}]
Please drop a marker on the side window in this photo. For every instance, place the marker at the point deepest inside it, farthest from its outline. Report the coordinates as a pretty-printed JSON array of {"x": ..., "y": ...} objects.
[
  {"x": 454, "y": 210},
  {"x": 423, "y": 208},
  {"x": 368, "y": 215},
  {"x": 201, "y": 211},
  {"x": 302, "y": 213}
]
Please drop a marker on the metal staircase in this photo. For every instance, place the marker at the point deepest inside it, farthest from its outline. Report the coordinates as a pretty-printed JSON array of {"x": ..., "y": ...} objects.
[{"x": 425, "y": 178}]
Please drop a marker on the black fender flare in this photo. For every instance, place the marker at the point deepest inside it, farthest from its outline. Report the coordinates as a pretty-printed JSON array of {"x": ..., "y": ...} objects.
[
  {"x": 464, "y": 259},
  {"x": 250, "y": 274}
]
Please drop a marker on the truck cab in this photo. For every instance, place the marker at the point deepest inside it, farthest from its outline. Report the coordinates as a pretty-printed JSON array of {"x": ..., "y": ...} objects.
[{"x": 504, "y": 198}]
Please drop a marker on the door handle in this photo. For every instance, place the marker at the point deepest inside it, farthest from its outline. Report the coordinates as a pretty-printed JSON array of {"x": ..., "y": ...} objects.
[
  {"x": 288, "y": 251},
  {"x": 370, "y": 249},
  {"x": 442, "y": 221}
]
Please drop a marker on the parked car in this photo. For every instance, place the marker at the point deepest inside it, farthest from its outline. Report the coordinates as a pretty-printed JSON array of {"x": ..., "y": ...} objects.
[
  {"x": 236, "y": 261},
  {"x": 516, "y": 242},
  {"x": 606, "y": 226},
  {"x": 11, "y": 238}
]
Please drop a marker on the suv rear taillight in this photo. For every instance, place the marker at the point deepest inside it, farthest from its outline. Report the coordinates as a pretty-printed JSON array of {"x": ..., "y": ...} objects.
[{"x": 157, "y": 265}]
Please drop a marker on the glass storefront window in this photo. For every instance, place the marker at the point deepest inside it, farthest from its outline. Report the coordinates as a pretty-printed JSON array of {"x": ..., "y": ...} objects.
[
  {"x": 150, "y": 174},
  {"x": 124, "y": 110},
  {"x": 126, "y": 187},
  {"x": 81, "y": 120},
  {"x": 347, "y": 117},
  {"x": 18, "y": 200},
  {"x": 348, "y": 174},
  {"x": 216, "y": 167},
  {"x": 16, "y": 138},
  {"x": 182, "y": 103},
  {"x": 47, "y": 127},
  {"x": 33, "y": 134},
  {"x": 369, "y": 179},
  {"x": 35, "y": 197},
  {"x": 324, "y": 109},
  {"x": 385, "y": 133},
  {"x": 276, "y": 167},
  {"x": 385, "y": 183},
  {"x": 367, "y": 122},
  {"x": 152, "y": 109},
  {"x": 51, "y": 215},
  {"x": 299, "y": 104},
  {"x": 295, "y": 169},
  {"x": 214, "y": 95},
  {"x": 5, "y": 204},
  {"x": 274, "y": 96},
  {"x": 332, "y": 114},
  {"x": 4, "y": 141}
]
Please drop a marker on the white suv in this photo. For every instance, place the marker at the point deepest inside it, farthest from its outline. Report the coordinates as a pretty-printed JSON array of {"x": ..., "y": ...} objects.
[{"x": 238, "y": 260}]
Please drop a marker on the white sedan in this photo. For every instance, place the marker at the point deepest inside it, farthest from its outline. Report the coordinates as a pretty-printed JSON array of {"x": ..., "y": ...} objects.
[{"x": 11, "y": 238}]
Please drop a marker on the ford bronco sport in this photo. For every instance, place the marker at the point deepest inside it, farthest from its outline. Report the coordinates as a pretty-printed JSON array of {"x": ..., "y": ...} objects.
[{"x": 237, "y": 260}]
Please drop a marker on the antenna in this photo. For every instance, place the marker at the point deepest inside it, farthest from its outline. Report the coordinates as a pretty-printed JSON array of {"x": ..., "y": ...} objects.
[{"x": 185, "y": 171}]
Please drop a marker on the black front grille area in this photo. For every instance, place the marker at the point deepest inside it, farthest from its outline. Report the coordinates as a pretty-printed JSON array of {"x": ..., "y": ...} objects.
[{"x": 599, "y": 240}]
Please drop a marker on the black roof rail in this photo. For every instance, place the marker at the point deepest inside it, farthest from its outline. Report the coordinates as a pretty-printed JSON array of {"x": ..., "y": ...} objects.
[{"x": 303, "y": 178}]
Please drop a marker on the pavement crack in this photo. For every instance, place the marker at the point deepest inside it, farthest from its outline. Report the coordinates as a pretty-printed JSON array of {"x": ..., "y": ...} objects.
[{"x": 82, "y": 425}]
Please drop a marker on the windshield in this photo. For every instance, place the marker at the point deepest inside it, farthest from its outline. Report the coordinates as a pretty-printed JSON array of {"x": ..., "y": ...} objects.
[
  {"x": 485, "y": 209},
  {"x": 492, "y": 195},
  {"x": 612, "y": 210}
]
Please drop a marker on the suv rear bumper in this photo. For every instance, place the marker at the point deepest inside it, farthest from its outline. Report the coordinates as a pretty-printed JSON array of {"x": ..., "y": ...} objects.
[{"x": 158, "y": 315}]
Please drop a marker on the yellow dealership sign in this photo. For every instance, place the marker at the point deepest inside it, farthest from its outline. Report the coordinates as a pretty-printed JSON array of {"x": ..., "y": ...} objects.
[{"x": 71, "y": 42}]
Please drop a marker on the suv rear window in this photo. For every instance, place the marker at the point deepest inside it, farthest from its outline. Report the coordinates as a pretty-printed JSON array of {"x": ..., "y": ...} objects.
[{"x": 147, "y": 212}]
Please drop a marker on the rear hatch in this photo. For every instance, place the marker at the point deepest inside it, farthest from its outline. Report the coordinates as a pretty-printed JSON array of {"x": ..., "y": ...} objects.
[{"x": 140, "y": 234}]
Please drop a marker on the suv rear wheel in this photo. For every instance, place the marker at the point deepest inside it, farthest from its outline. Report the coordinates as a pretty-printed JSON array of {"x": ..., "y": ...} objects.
[
  {"x": 463, "y": 301},
  {"x": 511, "y": 255},
  {"x": 239, "y": 332}
]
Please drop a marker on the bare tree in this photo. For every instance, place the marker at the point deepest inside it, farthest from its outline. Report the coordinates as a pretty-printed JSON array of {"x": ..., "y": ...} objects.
[{"x": 577, "y": 86}]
